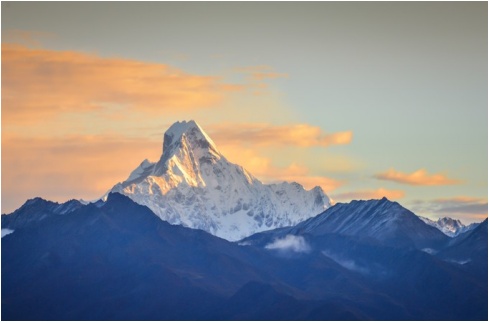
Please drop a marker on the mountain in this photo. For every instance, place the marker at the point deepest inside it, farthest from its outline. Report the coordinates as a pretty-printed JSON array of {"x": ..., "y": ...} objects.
[
  {"x": 264, "y": 303},
  {"x": 374, "y": 220},
  {"x": 470, "y": 249},
  {"x": 450, "y": 227},
  {"x": 391, "y": 248},
  {"x": 116, "y": 260},
  {"x": 194, "y": 185},
  {"x": 35, "y": 210}
]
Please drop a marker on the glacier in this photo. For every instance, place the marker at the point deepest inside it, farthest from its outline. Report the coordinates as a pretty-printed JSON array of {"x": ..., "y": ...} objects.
[{"x": 194, "y": 185}]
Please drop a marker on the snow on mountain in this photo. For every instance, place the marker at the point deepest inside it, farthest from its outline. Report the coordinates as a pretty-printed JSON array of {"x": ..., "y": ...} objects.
[
  {"x": 194, "y": 185},
  {"x": 449, "y": 226}
]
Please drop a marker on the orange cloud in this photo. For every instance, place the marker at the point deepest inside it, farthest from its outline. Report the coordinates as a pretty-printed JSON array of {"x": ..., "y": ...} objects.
[
  {"x": 370, "y": 194},
  {"x": 419, "y": 177},
  {"x": 42, "y": 83},
  {"x": 262, "y": 134},
  {"x": 71, "y": 167}
]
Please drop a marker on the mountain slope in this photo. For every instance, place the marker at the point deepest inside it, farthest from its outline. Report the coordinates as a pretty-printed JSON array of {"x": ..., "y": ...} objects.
[
  {"x": 376, "y": 220},
  {"x": 470, "y": 250},
  {"x": 193, "y": 184},
  {"x": 261, "y": 302}
]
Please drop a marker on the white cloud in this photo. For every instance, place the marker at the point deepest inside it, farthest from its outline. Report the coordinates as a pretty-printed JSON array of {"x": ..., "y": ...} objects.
[
  {"x": 460, "y": 262},
  {"x": 346, "y": 263},
  {"x": 290, "y": 243}
]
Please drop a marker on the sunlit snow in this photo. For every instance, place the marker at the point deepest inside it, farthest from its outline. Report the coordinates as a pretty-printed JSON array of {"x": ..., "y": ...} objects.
[{"x": 194, "y": 185}]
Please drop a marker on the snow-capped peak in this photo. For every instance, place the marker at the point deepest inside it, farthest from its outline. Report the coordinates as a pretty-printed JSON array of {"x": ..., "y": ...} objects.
[
  {"x": 178, "y": 129},
  {"x": 194, "y": 185},
  {"x": 185, "y": 148},
  {"x": 450, "y": 227},
  {"x": 190, "y": 134}
]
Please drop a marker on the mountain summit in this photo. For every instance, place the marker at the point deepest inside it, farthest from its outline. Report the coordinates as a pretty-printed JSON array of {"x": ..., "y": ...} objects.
[
  {"x": 450, "y": 227},
  {"x": 186, "y": 141},
  {"x": 381, "y": 221},
  {"x": 193, "y": 184}
]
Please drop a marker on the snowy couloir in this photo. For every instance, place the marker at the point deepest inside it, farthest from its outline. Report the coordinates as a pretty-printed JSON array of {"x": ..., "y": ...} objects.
[{"x": 194, "y": 185}]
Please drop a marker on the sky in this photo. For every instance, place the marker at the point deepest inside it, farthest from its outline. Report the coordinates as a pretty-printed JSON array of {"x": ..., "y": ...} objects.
[{"x": 365, "y": 99}]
